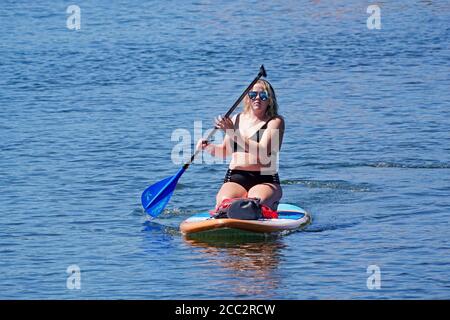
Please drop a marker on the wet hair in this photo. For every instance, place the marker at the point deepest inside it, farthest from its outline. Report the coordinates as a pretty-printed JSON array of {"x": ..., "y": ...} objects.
[{"x": 272, "y": 108}]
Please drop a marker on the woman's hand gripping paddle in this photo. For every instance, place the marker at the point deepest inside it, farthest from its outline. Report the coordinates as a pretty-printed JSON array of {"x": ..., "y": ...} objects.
[{"x": 156, "y": 196}]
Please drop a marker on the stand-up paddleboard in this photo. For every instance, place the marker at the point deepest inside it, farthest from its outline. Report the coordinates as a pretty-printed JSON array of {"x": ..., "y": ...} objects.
[{"x": 290, "y": 217}]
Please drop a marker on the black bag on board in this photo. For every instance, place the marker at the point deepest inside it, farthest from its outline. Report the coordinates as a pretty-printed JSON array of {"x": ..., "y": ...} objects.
[{"x": 243, "y": 209}]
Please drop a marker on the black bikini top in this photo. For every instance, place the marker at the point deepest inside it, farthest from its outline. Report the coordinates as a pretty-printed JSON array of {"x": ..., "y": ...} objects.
[{"x": 255, "y": 137}]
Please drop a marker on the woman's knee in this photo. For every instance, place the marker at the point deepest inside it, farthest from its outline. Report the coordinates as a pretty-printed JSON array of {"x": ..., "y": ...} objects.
[
  {"x": 270, "y": 195},
  {"x": 265, "y": 191},
  {"x": 230, "y": 190}
]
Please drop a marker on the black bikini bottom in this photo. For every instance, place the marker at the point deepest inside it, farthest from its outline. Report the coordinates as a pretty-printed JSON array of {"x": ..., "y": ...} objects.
[{"x": 249, "y": 179}]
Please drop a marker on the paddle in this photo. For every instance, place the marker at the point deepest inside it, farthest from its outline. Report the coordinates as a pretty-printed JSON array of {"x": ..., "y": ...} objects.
[{"x": 156, "y": 196}]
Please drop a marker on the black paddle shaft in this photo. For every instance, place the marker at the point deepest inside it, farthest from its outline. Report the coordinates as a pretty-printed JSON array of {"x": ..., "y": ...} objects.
[{"x": 261, "y": 73}]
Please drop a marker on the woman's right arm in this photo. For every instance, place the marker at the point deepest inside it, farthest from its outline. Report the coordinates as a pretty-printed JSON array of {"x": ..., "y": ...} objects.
[
  {"x": 222, "y": 150},
  {"x": 217, "y": 150}
]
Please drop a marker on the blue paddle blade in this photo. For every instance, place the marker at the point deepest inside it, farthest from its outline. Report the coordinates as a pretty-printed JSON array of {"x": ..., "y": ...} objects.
[
  {"x": 155, "y": 209},
  {"x": 155, "y": 198}
]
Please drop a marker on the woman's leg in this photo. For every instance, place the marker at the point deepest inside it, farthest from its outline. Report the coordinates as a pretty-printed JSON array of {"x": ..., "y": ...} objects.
[
  {"x": 269, "y": 193},
  {"x": 230, "y": 190}
]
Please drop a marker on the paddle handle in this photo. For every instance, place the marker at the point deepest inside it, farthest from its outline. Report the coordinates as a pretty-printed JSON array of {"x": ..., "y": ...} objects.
[{"x": 261, "y": 73}]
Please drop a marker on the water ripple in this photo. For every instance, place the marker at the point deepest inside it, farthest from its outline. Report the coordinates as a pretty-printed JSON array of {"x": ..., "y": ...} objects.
[{"x": 331, "y": 184}]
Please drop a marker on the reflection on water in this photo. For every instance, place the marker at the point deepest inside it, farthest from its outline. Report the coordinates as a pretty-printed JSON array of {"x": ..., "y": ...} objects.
[{"x": 252, "y": 262}]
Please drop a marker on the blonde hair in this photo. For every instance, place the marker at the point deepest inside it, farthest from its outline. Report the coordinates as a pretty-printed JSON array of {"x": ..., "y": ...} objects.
[{"x": 272, "y": 108}]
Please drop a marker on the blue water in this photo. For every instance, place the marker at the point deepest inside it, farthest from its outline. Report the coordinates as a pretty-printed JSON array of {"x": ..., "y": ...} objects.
[{"x": 86, "y": 121}]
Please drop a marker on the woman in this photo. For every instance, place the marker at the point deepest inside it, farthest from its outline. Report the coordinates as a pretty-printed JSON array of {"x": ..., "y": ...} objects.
[{"x": 253, "y": 139}]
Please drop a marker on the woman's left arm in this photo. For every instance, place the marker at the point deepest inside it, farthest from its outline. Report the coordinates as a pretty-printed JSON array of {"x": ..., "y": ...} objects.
[{"x": 272, "y": 138}]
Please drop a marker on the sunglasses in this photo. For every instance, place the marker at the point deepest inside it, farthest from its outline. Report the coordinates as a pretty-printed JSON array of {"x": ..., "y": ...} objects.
[{"x": 263, "y": 95}]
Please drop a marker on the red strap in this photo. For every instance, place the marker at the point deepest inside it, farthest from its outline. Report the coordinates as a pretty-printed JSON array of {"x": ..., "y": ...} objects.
[
  {"x": 268, "y": 213},
  {"x": 225, "y": 204}
]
